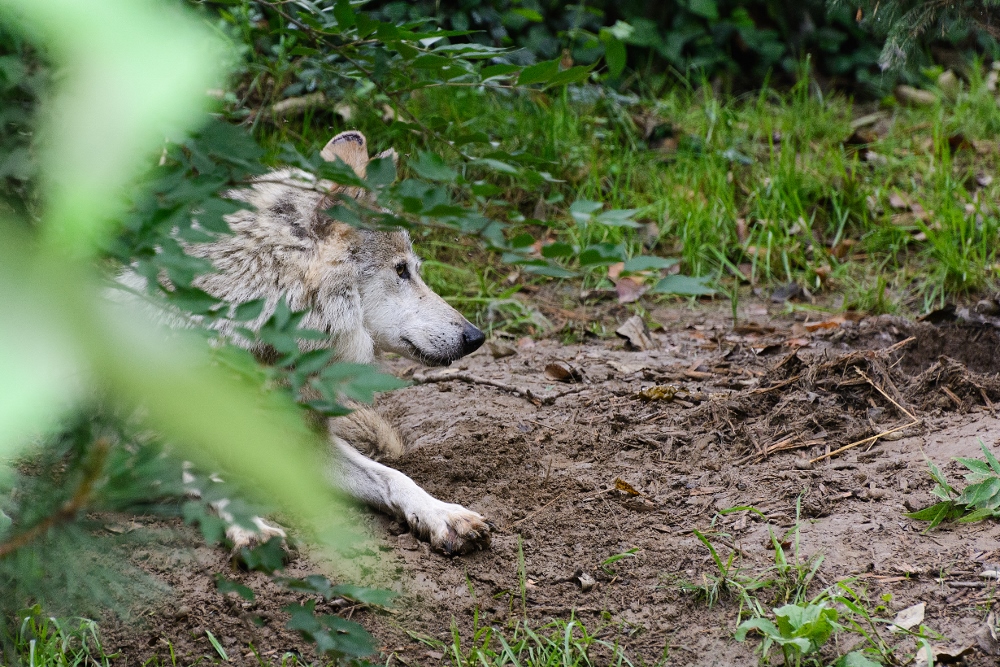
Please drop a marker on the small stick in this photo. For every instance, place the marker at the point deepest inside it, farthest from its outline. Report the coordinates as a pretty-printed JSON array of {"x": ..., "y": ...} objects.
[
  {"x": 950, "y": 394},
  {"x": 863, "y": 441},
  {"x": 783, "y": 383},
  {"x": 539, "y": 510},
  {"x": 888, "y": 397},
  {"x": 987, "y": 401},
  {"x": 516, "y": 391}
]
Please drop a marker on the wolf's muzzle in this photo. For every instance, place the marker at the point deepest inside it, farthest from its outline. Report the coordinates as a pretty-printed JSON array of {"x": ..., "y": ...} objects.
[{"x": 472, "y": 339}]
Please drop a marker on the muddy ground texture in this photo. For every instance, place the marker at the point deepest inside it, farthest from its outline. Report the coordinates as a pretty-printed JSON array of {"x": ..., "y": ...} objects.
[{"x": 573, "y": 473}]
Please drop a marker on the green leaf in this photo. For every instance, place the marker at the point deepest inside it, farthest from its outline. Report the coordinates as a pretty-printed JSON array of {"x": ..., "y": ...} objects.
[
  {"x": 543, "y": 268},
  {"x": 762, "y": 625},
  {"x": 216, "y": 645},
  {"x": 983, "y": 494},
  {"x": 583, "y": 210},
  {"x": 530, "y": 14},
  {"x": 497, "y": 165},
  {"x": 683, "y": 286},
  {"x": 224, "y": 585},
  {"x": 617, "y": 218},
  {"x": 522, "y": 241},
  {"x": 704, "y": 8},
  {"x": 380, "y": 172},
  {"x": 571, "y": 75},
  {"x": 614, "y": 52},
  {"x": 598, "y": 254},
  {"x": 267, "y": 557},
  {"x": 344, "y": 14},
  {"x": 647, "y": 263},
  {"x": 250, "y": 310},
  {"x": 938, "y": 512},
  {"x": 540, "y": 73},
  {"x": 855, "y": 659},
  {"x": 432, "y": 167},
  {"x": 979, "y": 515},
  {"x": 557, "y": 249},
  {"x": 992, "y": 460},
  {"x": 341, "y": 173},
  {"x": 498, "y": 70},
  {"x": 378, "y": 597}
]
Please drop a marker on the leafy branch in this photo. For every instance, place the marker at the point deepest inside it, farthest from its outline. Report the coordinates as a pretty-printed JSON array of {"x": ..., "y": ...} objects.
[{"x": 977, "y": 501}]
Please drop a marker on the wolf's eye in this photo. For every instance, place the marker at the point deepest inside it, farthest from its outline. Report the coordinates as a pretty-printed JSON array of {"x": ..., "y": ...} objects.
[{"x": 403, "y": 270}]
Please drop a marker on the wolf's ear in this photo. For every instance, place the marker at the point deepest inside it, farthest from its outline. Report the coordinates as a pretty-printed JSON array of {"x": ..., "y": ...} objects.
[{"x": 351, "y": 147}]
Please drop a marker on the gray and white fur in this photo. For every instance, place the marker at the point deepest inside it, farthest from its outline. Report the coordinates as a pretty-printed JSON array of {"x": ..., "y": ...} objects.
[{"x": 363, "y": 289}]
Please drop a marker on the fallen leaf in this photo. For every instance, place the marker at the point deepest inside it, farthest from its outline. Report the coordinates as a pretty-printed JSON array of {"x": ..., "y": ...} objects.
[
  {"x": 897, "y": 201},
  {"x": 741, "y": 230},
  {"x": 622, "y": 485},
  {"x": 915, "y": 96},
  {"x": 635, "y": 332},
  {"x": 661, "y": 392},
  {"x": 831, "y": 323},
  {"x": 560, "y": 371},
  {"x": 629, "y": 290},
  {"x": 625, "y": 368},
  {"x": 937, "y": 655},
  {"x": 959, "y": 142},
  {"x": 841, "y": 249},
  {"x": 908, "y": 618},
  {"x": 788, "y": 292},
  {"x": 585, "y": 581}
]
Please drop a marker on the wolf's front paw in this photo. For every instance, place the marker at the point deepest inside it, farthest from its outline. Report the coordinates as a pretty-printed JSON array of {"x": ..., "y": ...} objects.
[
  {"x": 453, "y": 529},
  {"x": 241, "y": 537}
]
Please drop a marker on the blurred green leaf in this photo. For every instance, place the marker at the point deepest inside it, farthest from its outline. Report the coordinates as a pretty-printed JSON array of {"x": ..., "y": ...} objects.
[
  {"x": 133, "y": 69},
  {"x": 432, "y": 167},
  {"x": 683, "y": 286},
  {"x": 540, "y": 73}
]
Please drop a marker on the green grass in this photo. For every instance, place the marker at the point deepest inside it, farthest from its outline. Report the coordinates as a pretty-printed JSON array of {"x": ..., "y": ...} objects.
[
  {"x": 49, "y": 642},
  {"x": 762, "y": 184},
  {"x": 563, "y": 643}
]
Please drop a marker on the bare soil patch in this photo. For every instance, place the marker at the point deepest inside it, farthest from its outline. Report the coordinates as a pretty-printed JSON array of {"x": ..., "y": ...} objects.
[{"x": 575, "y": 473}]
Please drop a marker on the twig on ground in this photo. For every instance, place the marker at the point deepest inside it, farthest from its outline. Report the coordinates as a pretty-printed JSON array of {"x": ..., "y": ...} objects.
[
  {"x": 890, "y": 399},
  {"x": 783, "y": 383},
  {"x": 496, "y": 384},
  {"x": 539, "y": 510},
  {"x": 871, "y": 438}
]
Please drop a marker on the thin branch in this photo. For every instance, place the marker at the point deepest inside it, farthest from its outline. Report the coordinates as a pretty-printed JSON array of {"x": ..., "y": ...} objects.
[
  {"x": 70, "y": 508},
  {"x": 496, "y": 384}
]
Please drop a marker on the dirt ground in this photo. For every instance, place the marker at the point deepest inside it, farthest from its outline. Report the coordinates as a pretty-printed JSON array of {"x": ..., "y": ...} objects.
[{"x": 575, "y": 473}]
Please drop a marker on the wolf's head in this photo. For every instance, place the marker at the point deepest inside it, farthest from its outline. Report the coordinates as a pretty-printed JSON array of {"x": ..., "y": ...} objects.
[{"x": 363, "y": 287}]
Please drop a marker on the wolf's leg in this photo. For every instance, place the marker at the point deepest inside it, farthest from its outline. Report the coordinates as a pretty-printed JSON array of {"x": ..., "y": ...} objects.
[{"x": 449, "y": 527}]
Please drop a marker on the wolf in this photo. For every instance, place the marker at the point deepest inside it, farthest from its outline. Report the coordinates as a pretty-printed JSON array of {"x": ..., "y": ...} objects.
[{"x": 363, "y": 289}]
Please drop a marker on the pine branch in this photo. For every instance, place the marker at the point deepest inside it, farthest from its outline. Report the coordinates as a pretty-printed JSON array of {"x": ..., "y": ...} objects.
[{"x": 69, "y": 509}]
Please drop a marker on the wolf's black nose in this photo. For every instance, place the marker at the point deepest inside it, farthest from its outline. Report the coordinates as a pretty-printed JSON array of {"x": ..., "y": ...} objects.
[{"x": 472, "y": 338}]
